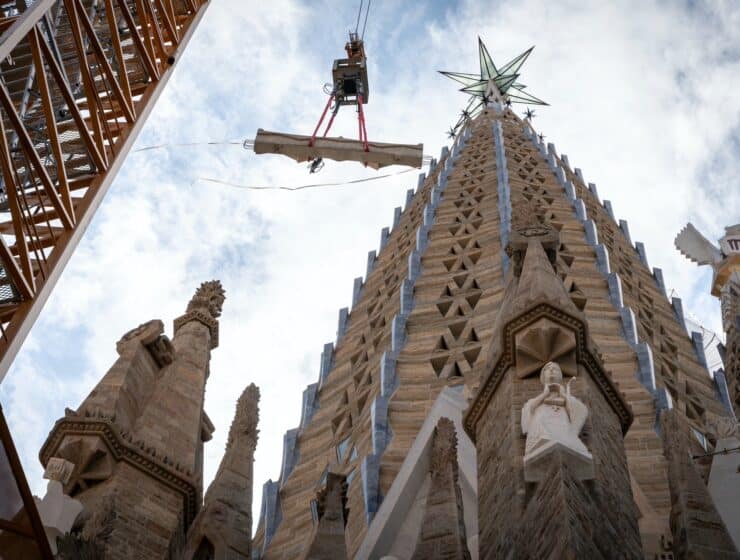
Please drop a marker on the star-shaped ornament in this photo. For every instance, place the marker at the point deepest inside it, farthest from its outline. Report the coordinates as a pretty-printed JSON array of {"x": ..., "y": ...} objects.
[{"x": 498, "y": 83}]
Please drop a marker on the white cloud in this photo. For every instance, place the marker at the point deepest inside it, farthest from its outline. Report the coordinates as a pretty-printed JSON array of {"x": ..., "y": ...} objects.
[{"x": 643, "y": 100}]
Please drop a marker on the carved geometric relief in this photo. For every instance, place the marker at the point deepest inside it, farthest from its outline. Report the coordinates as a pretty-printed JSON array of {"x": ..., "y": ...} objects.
[
  {"x": 456, "y": 351},
  {"x": 543, "y": 342},
  {"x": 93, "y": 463}
]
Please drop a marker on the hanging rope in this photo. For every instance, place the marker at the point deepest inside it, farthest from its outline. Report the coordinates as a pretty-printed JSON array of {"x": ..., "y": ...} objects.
[
  {"x": 302, "y": 187},
  {"x": 246, "y": 144}
]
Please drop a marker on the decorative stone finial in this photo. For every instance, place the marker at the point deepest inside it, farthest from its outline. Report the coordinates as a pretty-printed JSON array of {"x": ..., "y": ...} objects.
[
  {"x": 444, "y": 451},
  {"x": 331, "y": 501},
  {"x": 205, "y": 307},
  {"x": 209, "y": 298},
  {"x": 246, "y": 417},
  {"x": 526, "y": 220},
  {"x": 527, "y": 224},
  {"x": 552, "y": 421}
]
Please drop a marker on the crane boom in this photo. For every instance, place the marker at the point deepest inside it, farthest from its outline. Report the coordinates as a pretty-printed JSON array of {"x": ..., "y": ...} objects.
[{"x": 78, "y": 79}]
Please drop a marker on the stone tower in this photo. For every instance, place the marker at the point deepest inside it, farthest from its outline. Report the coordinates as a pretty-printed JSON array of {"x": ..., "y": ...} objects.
[
  {"x": 504, "y": 264},
  {"x": 135, "y": 445},
  {"x": 224, "y": 525}
]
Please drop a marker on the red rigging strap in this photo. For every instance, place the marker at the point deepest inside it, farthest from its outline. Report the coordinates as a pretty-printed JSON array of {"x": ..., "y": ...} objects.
[
  {"x": 318, "y": 125},
  {"x": 331, "y": 120},
  {"x": 360, "y": 116},
  {"x": 363, "y": 128}
]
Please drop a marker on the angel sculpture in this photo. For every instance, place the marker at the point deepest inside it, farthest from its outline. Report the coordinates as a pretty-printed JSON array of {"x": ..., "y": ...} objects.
[
  {"x": 725, "y": 263},
  {"x": 553, "y": 421}
]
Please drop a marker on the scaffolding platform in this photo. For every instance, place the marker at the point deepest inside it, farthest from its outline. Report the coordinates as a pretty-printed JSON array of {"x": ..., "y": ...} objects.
[{"x": 298, "y": 148}]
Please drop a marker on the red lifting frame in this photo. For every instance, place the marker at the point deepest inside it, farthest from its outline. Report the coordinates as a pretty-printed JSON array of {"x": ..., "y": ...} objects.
[{"x": 360, "y": 118}]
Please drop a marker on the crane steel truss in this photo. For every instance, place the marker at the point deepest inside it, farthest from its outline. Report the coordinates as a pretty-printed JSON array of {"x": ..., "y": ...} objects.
[{"x": 77, "y": 80}]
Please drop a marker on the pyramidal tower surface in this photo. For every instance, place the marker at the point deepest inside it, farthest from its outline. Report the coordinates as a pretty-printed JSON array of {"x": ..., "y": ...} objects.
[{"x": 504, "y": 273}]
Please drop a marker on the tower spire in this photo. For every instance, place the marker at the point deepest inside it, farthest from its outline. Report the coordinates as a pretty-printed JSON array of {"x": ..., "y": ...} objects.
[
  {"x": 136, "y": 442},
  {"x": 225, "y": 522}
]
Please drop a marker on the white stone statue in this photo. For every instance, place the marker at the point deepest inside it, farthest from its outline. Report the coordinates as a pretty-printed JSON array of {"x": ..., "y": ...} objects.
[
  {"x": 725, "y": 263},
  {"x": 552, "y": 421},
  {"x": 57, "y": 510}
]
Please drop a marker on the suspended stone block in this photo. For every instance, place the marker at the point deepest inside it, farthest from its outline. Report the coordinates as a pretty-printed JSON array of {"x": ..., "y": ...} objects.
[{"x": 297, "y": 147}]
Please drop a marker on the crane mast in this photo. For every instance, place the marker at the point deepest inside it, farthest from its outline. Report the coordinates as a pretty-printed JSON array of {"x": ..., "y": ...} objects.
[{"x": 78, "y": 79}]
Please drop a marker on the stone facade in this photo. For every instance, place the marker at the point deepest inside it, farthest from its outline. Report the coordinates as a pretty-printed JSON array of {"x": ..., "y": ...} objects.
[{"x": 136, "y": 443}]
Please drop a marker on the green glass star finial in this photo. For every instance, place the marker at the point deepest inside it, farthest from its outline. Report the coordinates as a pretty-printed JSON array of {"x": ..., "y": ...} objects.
[{"x": 493, "y": 82}]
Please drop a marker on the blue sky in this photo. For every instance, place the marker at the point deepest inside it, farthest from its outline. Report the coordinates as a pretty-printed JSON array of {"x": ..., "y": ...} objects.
[{"x": 643, "y": 99}]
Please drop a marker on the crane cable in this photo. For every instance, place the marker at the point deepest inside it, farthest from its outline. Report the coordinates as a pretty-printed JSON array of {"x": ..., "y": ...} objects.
[
  {"x": 301, "y": 187},
  {"x": 367, "y": 11},
  {"x": 359, "y": 15}
]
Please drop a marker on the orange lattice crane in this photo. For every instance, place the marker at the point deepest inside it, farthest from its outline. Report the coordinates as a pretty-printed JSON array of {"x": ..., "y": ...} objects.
[{"x": 78, "y": 78}]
